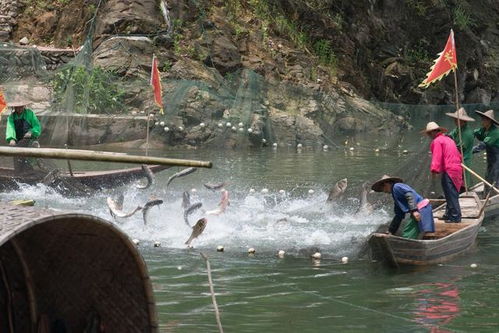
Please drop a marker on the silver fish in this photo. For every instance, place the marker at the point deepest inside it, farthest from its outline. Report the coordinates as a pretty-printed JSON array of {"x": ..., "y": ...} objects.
[
  {"x": 190, "y": 210},
  {"x": 117, "y": 212},
  {"x": 365, "y": 207},
  {"x": 186, "y": 200},
  {"x": 197, "y": 230},
  {"x": 181, "y": 173},
  {"x": 338, "y": 189},
  {"x": 148, "y": 206},
  {"x": 149, "y": 176},
  {"x": 214, "y": 187},
  {"x": 51, "y": 177},
  {"x": 222, "y": 205}
]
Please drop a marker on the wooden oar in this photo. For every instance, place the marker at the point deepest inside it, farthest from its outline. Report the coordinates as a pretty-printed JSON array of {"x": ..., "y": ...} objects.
[
  {"x": 479, "y": 177},
  {"x": 102, "y": 156}
]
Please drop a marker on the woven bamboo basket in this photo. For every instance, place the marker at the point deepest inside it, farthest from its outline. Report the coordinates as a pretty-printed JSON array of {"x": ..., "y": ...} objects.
[{"x": 69, "y": 269}]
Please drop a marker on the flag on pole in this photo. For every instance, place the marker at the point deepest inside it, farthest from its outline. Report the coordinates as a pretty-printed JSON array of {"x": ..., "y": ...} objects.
[
  {"x": 446, "y": 62},
  {"x": 156, "y": 84},
  {"x": 3, "y": 103}
]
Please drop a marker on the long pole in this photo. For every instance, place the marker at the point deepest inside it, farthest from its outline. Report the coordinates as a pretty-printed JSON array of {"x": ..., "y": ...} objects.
[
  {"x": 459, "y": 127},
  {"x": 101, "y": 156},
  {"x": 479, "y": 177},
  {"x": 212, "y": 292}
]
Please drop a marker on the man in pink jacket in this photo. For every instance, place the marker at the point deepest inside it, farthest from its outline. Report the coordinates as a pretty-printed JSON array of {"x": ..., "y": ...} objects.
[{"x": 446, "y": 161}]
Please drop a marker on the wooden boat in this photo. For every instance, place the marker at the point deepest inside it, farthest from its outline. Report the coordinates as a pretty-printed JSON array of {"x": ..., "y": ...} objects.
[
  {"x": 492, "y": 205},
  {"x": 95, "y": 180},
  {"x": 447, "y": 242}
]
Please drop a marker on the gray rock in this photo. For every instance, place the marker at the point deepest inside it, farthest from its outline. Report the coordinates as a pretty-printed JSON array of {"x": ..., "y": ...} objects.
[{"x": 24, "y": 41}]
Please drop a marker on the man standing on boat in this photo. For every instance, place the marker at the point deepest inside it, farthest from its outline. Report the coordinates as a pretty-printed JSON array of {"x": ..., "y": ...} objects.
[
  {"x": 446, "y": 161},
  {"x": 461, "y": 120},
  {"x": 23, "y": 129},
  {"x": 488, "y": 134},
  {"x": 407, "y": 200}
]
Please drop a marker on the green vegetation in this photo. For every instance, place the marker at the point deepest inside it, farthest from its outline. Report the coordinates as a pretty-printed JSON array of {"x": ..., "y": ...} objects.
[
  {"x": 462, "y": 19},
  {"x": 419, "y": 6},
  {"x": 419, "y": 53},
  {"x": 94, "y": 91},
  {"x": 274, "y": 19}
]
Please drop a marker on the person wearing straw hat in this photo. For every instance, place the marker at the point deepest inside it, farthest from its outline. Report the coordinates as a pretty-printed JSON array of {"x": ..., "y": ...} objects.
[
  {"x": 488, "y": 135},
  {"x": 446, "y": 161},
  {"x": 23, "y": 129},
  {"x": 461, "y": 120},
  {"x": 406, "y": 201}
]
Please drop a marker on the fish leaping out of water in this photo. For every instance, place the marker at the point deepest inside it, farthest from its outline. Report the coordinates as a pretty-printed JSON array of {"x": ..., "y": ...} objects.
[
  {"x": 365, "y": 207},
  {"x": 338, "y": 189},
  {"x": 190, "y": 210},
  {"x": 181, "y": 173},
  {"x": 214, "y": 187},
  {"x": 186, "y": 200},
  {"x": 148, "y": 206},
  {"x": 222, "y": 205},
  {"x": 197, "y": 230},
  {"x": 116, "y": 208},
  {"x": 149, "y": 176}
]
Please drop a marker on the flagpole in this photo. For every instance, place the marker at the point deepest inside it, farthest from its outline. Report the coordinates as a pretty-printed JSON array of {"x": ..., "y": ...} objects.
[
  {"x": 147, "y": 133},
  {"x": 459, "y": 127}
]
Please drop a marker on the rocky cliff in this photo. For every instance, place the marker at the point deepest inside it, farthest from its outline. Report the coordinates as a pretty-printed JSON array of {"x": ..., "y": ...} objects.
[{"x": 289, "y": 70}]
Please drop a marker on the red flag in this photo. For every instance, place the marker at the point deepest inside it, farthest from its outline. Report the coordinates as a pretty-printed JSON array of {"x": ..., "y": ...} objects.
[
  {"x": 156, "y": 84},
  {"x": 3, "y": 103},
  {"x": 446, "y": 62}
]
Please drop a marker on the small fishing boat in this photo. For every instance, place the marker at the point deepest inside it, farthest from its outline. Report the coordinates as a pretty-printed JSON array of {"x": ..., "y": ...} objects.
[
  {"x": 95, "y": 180},
  {"x": 492, "y": 205},
  {"x": 447, "y": 242}
]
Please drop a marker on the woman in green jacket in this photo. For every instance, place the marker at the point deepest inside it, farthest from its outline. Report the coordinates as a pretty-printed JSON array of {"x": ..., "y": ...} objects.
[{"x": 461, "y": 119}]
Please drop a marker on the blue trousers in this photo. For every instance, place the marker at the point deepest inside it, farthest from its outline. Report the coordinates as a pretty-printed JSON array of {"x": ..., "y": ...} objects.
[{"x": 453, "y": 210}]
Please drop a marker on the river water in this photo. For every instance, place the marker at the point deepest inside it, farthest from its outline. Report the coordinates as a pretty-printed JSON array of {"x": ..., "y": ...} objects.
[{"x": 264, "y": 293}]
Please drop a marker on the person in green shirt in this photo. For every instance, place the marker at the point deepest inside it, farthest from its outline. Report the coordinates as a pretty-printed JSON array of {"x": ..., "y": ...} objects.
[
  {"x": 23, "y": 129},
  {"x": 461, "y": 120},
  {"x": 488, "y": 134}
]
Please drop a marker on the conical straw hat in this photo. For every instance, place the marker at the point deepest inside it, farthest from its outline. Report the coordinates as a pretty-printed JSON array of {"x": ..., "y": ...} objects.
[
  {"x": 488, "y": 114},
  {"x": 378, "y": 185},
  {"x": 432, "y": 126},
  {"x": 460, "y": 114}
]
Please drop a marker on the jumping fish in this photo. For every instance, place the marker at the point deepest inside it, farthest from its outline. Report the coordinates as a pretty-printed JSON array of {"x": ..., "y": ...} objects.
[
  {"x": 338, "y": 189},
  {"x": 149, "y": 176},
  {"x": 197, "y": 230},
  {"x": 181, "y": 173},
  {"x": 222, "y": 205},
  {"x": 190, "y": 210},
  {"x": 365, "y": 207},
  {"x": 214, "y": 187},
  {"x": 148, "y": 206},
  {"x": 117, "y": 212},
  {"x": 186, "y": 200},
  {"x": 51, "y": 177}
]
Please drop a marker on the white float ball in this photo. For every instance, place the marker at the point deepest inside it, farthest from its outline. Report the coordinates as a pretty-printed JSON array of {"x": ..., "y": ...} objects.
[
  {"x": 311, "y": 191},
  {"x": 162, "y": 123},
  {"x": 265, "y": 190},
  {"x": 156, "y": 124},
  {"x": 344, "y": 260},
  {"x": 281, "y": 253},
  {"x": 157, "y": 244},
  {"x": 220, "y": 248},
  {"x": 299, "y": 146},
  {"x": 202, "y": 125},
  {"x": 241, "y": 129},
  {"x": 193, "y": 190},
  {"x": 228, "y": 124},
  {"x": 250, "y": 130},
  {"x": 473, "y": 265},
  {"x": 264, "y": 141},
  {"x": 274, "y": 145},
  {"x": 136, "y": 241},
  {"x": 234, "y": 128},
  {"x": 325, "y": 147},
  {"x": 167, "y": 129},
  {"x": 252, "y": 190},
  {"x": 220, "y": 125},
  {"x": 251, "y": 250},
  {"x": 240, "y": 125},
  {"x": 180, "y": 128},
  {"x": 352, "y": 148},
  {"x": 317, "y": 255},
  {"x": 282, "y": 191}
]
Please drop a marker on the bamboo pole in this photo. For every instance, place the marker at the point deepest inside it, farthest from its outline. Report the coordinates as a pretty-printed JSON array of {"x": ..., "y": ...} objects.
[
  {"x": 212, "y": 291},
  {"x": 479, "y": 177},
  {"x": 101, "y": 156},
  {"x": 459, "y": 128}
]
